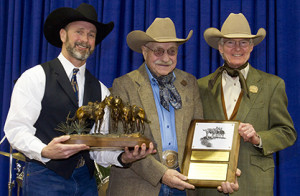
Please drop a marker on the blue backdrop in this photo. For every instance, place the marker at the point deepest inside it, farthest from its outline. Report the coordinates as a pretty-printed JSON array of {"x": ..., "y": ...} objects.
[{"x": 23, "y": 46}]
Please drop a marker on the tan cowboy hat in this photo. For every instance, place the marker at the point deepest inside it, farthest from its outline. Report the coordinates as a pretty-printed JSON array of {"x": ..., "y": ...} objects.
[
  {"x": 161, "y": 30},
  {"x": 235, "y": 26},
  {"x": 60, "y": 17}
]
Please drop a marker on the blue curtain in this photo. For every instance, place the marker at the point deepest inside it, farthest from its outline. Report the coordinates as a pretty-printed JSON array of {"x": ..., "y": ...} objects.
[{"x": 23, "y": 46}]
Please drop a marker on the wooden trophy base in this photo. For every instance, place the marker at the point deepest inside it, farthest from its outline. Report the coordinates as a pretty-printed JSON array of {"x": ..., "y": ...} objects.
[{"x": 111, "y": 141}]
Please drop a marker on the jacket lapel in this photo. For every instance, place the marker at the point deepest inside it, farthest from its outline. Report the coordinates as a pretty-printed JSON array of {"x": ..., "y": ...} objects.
[
  {"x": 180, "y": 84},
  {"x": 255, "y": 87},
  {"x": 148, "y": 103},
  {"x": 215, "y": 100}
]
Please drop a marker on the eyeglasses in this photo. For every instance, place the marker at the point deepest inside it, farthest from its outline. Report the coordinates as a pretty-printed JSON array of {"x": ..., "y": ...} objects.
[
  {"x": 160, "y": 51},
  {"x": 232, "y": 43}
]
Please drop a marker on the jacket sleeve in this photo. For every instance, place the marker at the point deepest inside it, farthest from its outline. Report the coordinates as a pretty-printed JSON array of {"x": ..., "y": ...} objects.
[
  {"x": 281, "y": 133},
  {"x": 148, "y": 168}
]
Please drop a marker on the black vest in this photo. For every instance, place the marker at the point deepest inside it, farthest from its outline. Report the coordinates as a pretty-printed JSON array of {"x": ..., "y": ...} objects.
[{"x": 59, "y": 99}]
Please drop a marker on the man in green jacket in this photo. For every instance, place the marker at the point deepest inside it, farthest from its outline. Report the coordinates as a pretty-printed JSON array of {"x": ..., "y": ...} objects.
[{"x": 238, "y": 91}]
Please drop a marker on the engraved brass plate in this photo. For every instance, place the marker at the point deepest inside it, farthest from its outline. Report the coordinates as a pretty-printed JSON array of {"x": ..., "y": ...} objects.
[
  {"x": 209, "y": 156},
  {"x": 208, "y": 171}
]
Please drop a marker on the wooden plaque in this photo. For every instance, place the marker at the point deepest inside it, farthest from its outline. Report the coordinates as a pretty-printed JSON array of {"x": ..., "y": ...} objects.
[{"x": 211, "y": 152}]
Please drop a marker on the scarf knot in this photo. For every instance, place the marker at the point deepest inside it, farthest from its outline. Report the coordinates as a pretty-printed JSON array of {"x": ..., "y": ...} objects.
[
  {"x": 167, "y": 91},
  {"x": 233, "y": 72}
]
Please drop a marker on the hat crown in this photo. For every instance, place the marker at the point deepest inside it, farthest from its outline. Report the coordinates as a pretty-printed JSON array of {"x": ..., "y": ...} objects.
[
  {"x": 87, "y": 11},
  {"x": 236, "y": 24},
  {"x": 61, "y": 17},
  {"x": 162, "y": 28}
]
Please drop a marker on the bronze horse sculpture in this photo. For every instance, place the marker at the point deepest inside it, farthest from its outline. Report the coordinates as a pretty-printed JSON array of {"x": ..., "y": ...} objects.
[
  {"x": 93, "y": 111},
  {"x": 139, "y": 118},
  {"x": 131, "y": 117}
]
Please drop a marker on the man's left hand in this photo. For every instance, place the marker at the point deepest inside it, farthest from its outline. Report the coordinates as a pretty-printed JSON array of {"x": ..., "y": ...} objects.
[
  {"x": 248, "y": 133},
  {"x": 227, "y": 187},
  {"x": 137, "y": 153}
]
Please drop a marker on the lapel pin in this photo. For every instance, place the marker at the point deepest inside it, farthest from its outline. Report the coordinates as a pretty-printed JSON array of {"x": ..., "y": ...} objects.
[
  {"x": 183, "y": 82},
  {"x": 253, "y": 89}
]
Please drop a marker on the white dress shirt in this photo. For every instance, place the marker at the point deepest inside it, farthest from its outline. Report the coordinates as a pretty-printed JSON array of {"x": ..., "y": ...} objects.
[
  {"x": 232, "y": 89},
  {"x": 26, "y": 106}
]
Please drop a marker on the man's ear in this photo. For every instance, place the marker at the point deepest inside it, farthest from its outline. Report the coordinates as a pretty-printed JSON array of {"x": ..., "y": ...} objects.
[
  {"x": 63, "y": 35},
  {"x": 144, "y": 52},
  {"x": 251, "y": 47},
  {"x": 221, "y": 49}
]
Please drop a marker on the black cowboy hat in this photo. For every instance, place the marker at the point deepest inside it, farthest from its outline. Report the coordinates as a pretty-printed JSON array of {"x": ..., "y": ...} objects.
[{"x": 60, "y": 17}]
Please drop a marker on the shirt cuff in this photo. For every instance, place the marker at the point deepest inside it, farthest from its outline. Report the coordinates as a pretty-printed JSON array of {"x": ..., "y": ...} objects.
[
  {"x": 125, "y": 165},
  {"x": 106, "y": 158},
  {"x": 260, "y": 143},
  {"x": 37, "y": 153}
]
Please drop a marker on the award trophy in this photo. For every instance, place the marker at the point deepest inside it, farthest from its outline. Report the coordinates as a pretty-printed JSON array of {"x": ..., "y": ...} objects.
[{"x": 131, "y": 117}]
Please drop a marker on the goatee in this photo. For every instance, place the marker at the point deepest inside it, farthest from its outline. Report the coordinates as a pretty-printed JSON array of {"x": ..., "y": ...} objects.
[{"x": 79, "y": 55}]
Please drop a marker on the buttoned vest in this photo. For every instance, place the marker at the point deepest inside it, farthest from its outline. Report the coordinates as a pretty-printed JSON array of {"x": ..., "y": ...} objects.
[{"x": 59, "y": 99}]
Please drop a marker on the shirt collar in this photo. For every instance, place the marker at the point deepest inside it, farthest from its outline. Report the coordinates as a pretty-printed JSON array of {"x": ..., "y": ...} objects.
[
  {"x": 68, "y": 67},
  {"x": 152, "y": 79}
]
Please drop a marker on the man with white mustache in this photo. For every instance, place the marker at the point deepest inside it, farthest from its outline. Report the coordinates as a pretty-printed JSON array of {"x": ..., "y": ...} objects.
[
  {"x": 238, "y": 91},
  {"x": 171, "y": 100}
]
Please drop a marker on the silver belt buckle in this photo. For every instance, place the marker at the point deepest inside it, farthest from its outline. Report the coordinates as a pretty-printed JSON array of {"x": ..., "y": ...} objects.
[
  {"x": 80, "y": 162},
  {"x": 170, "y": 159}
]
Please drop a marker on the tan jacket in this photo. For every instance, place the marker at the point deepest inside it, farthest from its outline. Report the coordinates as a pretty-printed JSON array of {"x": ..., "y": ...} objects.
[
  {"x": 143, "y": 177},
  {"x": 266, "y": 110}
]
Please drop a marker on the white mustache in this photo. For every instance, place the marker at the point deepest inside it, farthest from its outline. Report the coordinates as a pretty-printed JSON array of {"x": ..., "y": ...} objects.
[{"x": 170, "y": 62}]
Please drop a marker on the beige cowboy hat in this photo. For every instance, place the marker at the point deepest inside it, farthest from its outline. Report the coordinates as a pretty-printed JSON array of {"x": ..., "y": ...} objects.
[
  {"x": 161, "y": 30},
  {"x": 235, "y": 26}
]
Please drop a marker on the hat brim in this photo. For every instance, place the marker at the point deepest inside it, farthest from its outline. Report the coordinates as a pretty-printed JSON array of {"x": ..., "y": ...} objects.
[
  {"x": 60, "y": 17},
  {"x": 136, "y": 39},
  {"x": 213, "y": 35}
]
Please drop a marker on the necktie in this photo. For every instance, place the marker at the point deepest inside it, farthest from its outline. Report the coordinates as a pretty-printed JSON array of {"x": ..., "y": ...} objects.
[
  {"x": 233, "y": 73},
  {"x": 74, "y": 82}
]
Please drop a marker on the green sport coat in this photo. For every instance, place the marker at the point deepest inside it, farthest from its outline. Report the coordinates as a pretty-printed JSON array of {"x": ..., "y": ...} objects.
[{"x": 266, "y": 110}]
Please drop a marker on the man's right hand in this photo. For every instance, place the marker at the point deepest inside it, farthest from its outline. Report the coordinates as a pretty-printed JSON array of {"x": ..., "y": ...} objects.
[
  {"x": 174, "y": 179},
  {"x": 57, "y": 150}
]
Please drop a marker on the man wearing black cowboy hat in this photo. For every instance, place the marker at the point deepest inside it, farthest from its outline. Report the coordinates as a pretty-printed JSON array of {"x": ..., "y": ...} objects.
[
  {"x": 42, "y": 98},
  {"x": 238, "y": 91}
]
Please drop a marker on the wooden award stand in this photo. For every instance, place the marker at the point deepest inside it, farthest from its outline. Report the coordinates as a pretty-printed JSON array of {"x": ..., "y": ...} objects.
[{"x": 109, "y": 141}]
